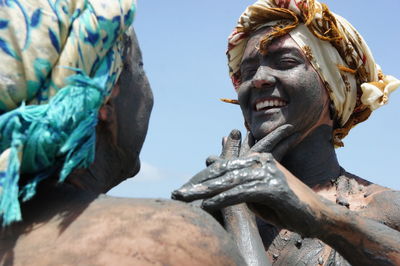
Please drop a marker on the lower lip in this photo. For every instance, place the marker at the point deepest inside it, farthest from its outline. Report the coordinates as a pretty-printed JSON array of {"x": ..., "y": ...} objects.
[
  {"x": 271, "y": 110},
  {"x": 267, "y": 114}
]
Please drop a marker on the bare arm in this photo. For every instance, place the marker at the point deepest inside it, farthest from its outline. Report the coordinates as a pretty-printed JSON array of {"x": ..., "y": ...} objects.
[
  {"x": 277, "y": 196},
  {"x": 360, "y": 240}
]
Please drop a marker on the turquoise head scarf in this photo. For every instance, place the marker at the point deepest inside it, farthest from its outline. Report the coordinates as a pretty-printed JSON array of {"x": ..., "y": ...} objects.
[{"x": 60, "y": 60}]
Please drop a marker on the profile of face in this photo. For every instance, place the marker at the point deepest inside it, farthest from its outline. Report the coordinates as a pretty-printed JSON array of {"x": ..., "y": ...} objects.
[
  {"x": 280, "y": 87},
  {"x": 123, "y": 123},
  {"x": 132, "y": 104}
]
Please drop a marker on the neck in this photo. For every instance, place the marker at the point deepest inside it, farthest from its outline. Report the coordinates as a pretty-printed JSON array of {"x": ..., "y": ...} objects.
[
  {"x": 110, "y": 167},
  {"x": 97, "y": 178},
  {"x": 314, "y": 160}
]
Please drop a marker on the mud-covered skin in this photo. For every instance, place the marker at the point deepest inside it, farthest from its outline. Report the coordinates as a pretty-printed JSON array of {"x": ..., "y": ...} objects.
[
  {"x": 289, "y": 183},
  {"x": 284, "y": 75},
  {"x": 364, "y": 233},
  {"x": 238, "y": 220},
  {"x": 101, "y": 230},
  {"x": 73, "y": 224},
  {"x": 258, "y": 180},
  {"x": 122, "y": 126},
  {"x": 377, "y": 203}
]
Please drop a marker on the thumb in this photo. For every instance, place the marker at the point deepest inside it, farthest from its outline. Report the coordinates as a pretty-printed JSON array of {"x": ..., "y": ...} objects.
[
  {"x": 268, "y": 143},
  {"x": 231, "y": 145}
]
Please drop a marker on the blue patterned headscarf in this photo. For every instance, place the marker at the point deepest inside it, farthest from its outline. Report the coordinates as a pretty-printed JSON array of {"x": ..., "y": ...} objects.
[{"x": 60, "y": 60}]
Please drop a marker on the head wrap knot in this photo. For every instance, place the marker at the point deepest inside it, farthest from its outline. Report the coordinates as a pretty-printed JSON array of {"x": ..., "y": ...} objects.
[
  {"x": 60, "y": 61},
  {"x": 343, "y": 60}
]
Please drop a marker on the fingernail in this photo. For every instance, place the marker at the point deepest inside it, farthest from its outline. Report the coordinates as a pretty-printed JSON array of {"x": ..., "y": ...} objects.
[
  {"x": 210, "y": 161},
  {"x": 176, "y": 195},
  {"x": 235, "y": 134}
]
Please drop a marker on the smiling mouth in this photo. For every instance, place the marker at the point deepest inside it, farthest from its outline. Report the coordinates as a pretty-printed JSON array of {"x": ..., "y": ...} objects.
[{"x": 266, "y": 104}]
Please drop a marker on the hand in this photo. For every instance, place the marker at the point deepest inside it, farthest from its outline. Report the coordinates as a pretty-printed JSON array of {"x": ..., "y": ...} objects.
[
  {"x": 256, "y": 179},
  {"x": 272, "y": 143},
  {"x": 278, "y": 142}
]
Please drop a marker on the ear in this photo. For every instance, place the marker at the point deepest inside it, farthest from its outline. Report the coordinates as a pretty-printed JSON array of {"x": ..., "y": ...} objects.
[{"x": 106, "y": 112}]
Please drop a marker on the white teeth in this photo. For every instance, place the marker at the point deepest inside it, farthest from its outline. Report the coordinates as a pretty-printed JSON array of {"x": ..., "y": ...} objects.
[{"x": 269, "y": 103}]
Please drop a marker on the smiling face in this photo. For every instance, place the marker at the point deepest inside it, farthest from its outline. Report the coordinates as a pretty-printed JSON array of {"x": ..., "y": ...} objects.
[{"x": 280, "y": 88}]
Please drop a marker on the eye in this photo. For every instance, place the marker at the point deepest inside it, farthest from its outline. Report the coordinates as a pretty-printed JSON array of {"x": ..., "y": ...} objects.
[
  {"x": 248, "y": 73},
  {"x": 287, "y": 63}
]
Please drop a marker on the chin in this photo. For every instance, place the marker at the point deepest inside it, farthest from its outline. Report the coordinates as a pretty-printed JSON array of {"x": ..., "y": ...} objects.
[
  {"x": 134, "y": 170},
  {"x": 263, "y": 130},
  {"x": 125, "y": 173}
]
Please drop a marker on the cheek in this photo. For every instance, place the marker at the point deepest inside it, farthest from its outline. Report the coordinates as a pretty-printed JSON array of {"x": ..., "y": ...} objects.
[
  {"x": 319, "y": 92},
  {"x": 313, "y": 99},
  {"x": 310, "y": 88},
  {"x": 136, "y": 105},
  {"x": 243, "y": 93},
  {"x": 244, "y": 98}
]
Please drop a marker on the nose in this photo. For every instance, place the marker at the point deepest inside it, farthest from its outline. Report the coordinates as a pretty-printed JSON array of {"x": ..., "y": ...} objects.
[{"x": 263, "y": 78}]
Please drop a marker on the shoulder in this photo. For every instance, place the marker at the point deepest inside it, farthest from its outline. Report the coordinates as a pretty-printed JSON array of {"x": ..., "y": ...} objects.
[
  {"x": 384, "y": 206},
  {"x": 133, "y": 232},
  {"x": 379, "y": 203}
]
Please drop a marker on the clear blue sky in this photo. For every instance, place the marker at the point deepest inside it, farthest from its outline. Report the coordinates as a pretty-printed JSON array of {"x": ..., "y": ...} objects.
[{"x": 183, "y": 45}]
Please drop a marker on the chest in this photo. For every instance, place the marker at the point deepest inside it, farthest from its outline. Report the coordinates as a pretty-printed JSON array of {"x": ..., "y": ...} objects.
[{"x": 284, "y": 247}]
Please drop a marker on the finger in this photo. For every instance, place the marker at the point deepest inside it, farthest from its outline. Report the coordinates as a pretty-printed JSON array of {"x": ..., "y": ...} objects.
[
  {"x": 232, "y": 179},
  {"x": 213, "y": 187},
  {"x": 247, "y": 192},
  {"x": 268, "y": 143},
  {"x": 247, "y": 144},
  {"x": 282, "y": 148},
  {"x": 212, "y": 159},
  {"x": 200, "y": 177},
  {"x": 223, "y": 142},
  {"x": 188, "y": 191},
  {"x": 221, "y": 167},
  {"x": 231, "y": 146}
]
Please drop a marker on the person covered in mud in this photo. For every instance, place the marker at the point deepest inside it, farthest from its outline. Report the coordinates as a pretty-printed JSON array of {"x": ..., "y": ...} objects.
[
  {"x": 304, "y": 77},
  {"x": 75, "y": 106}
]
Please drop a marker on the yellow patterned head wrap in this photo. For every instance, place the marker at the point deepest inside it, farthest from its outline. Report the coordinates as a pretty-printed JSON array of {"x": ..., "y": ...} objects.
[
  {"x": 355, "y": 83},
  {"x": 60, "y": 59}
]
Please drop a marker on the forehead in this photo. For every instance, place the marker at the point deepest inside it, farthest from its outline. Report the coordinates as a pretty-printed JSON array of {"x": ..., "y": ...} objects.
[
  {"x": 281, "y": 43},
  {"x": 132, "y": 51}
]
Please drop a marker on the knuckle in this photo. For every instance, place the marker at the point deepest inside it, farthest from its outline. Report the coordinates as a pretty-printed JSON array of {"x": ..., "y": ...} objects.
[
  {"x": 267, "y": 157},
  {"x": 211, "y": 160},
  {"x": 259, "y": 173}
]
